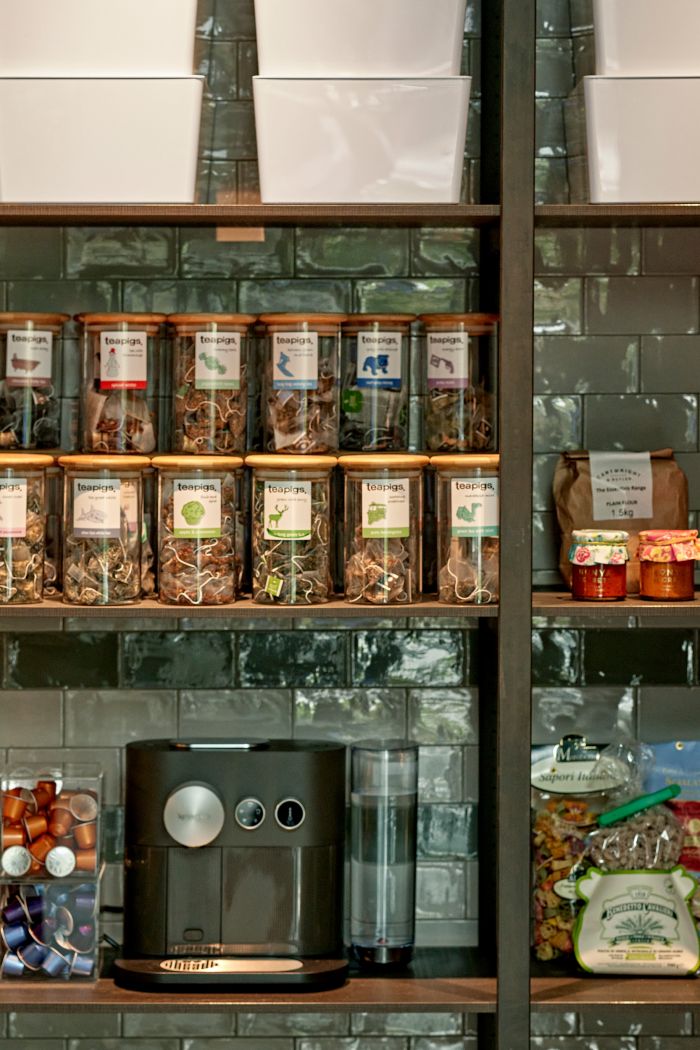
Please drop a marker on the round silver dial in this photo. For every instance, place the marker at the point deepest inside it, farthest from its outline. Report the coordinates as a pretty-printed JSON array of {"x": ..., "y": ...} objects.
[{"x": 193, "y": 815}]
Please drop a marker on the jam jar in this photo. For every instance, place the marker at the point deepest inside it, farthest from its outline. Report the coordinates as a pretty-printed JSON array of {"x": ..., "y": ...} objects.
[
  {"x": 598, "y": 565},
  {"x": 667, "y": 564}
]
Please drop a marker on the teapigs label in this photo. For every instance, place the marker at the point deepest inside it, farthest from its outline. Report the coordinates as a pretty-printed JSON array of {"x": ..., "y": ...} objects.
[
  {"x": 295, "y": 360},
  {"x": 13, "y": 507},
  {"x": 123, "y": 360},
  {"x": 379, "y": 360},
  {"x": 621, "y": 484},
  {"x": 217, "y": 363},
  {"x": 96, "y": 508},
  {"x": 29, "y": 357},
  {"x": 386, "y": 509},
  {"x": 474, "y": 506},
  {"x": 287, "y": 510},
  {"x": 197, "y": 508},
  {"x": 448, "y": 360}
]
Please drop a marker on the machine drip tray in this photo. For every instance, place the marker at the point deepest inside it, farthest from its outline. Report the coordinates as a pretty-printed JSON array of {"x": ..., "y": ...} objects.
[{"x": 230, "y": 973}]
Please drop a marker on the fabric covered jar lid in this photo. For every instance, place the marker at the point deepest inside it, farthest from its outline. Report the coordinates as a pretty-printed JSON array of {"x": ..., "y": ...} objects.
[
  {"x": 662, "y": 545},
  {"x": 598, "y": 547},
  {"x": 599, "y": 536}
]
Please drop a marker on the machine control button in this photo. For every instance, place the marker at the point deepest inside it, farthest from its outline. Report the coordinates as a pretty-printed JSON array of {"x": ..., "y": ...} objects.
[
  {"x": 290, "y": 814},
  {"x": 193, "y": 815},
  {"x": 249, "y": 813}
]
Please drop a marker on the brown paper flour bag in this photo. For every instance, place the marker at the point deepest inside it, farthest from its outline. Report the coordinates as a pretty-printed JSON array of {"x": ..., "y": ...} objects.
[{"x": 632, "y": 491}]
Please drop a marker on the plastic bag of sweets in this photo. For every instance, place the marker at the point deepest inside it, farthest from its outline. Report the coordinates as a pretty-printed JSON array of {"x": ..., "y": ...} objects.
[
  {"x": 635, "y": 918},
  {"x": 572, "y": 784},
  {"x": 678, "y": 762}
]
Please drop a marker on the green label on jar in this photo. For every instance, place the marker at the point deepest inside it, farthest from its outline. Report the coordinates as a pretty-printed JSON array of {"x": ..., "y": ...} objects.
[
  {"x": 197, "y": 508},
  {"x": 474, "y": 506},
  {"x": 386, "y": 509}
]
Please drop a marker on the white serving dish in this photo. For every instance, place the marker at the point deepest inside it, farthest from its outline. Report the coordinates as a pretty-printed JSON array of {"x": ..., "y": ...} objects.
[
  {"x": 359, "y": 38},
  {"x": 99, "y": 140},
  {"x": 97, "y": 37},
  {"x": 647, "y": 38},
  {"x": 361, "y": 141},
  {"x": 643, "y": 139}
]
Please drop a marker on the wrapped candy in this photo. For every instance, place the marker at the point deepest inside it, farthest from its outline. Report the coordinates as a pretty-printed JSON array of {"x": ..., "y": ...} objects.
[
  {"x": 383, "y": 528},
  {"x": 210, "y": 382},
  {"x": 301, "y": 382},
  {"x": 468, "y": 528},
  {"x": 120, "y": 382},
  {"x": 30, "y": 380},
  {"x": 103, "y": 531},
  {"x": 291, "y": 529},
  {"x": 22, "y": 526},
  {"x": 197, "y": 558}
]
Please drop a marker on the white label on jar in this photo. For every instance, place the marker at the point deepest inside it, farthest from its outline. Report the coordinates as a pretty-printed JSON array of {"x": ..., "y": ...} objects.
[
  {"x": 28, "y": 358},
  {"x": 621, "y": 483},
  {"x": 379, "y": 360},
  {"x": 448, "y": 360},
  {"x": 123, "y": 360},
  {"x": 129, "y": 501},
  {"x": 197, "y": 508},
  {"x": 474, "y": 506},
  {"x": 96, "y": 508},
  {"x": 217, "y": 363},
  {"x": 287, "y": 510},
  {"x": 386, "y": 508},
  {"x": 13, "y": 507},
  {"x": 295, "y": 360}
]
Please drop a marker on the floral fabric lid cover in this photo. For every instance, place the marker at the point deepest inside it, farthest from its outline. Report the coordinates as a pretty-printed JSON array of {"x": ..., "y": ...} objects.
[
  {"x": 669, "y": 545},
  {"x": 598, "y": 547}
]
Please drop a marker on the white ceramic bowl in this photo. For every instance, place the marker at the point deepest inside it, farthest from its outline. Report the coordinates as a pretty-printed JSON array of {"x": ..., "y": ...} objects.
[
  {"x": 643, "y": 139},
  {"x": 97, "y": 37},
  {"x": 359, "y": 38},
  {"x": 361, "y": 141},
  {"x": 99, "y": 140},
  {"x": 647, "y": 38}
]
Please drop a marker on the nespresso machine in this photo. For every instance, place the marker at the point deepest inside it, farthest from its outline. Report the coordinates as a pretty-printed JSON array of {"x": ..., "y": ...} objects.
[{"x": 234, "y": 864}]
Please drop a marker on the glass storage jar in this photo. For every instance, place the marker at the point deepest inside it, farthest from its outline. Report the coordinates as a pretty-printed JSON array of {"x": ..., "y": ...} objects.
[
  {"x": 103, "y": 529},
  {"x": 383, "y": 528},
  {"x": 197, "y": 562},
  {"x": 374, "y": 399},
  {"x": 119, "y": 403},
  {"x": 301, "y": 382},
  {"x": 210, "y": 382},
  {"x": 22, "y": 526},
  {"x": 30, "y": 364},
  {"x": 598, "y": 565},
  {"x": 460, "y": 355},
  {"x": 667, "y": 564},
  {"x": 468, "y": 528},
  {"x": 291, "y": 529}
]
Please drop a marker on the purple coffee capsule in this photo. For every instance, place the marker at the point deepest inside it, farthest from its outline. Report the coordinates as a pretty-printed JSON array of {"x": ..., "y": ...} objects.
[
  {"x": 33, "y": 955},
  {"x": 54, "y": 964},
  {"x": 82, "y": 965},
  {"x": 43, "y": 931},
  {"x": 35, "y": 907},
  {"x": 13, "y": 911},
  {"x": 12, "y": 965},
  {"x": 15, "y": 936},
  {"x": 83, "y": 905}
]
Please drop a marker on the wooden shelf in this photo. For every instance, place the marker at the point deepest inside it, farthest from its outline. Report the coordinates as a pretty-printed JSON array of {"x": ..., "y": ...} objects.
[
  {"x": 560, "y": 605},
  {"x": 595, "y": 993},
  {"x": 248, "y": 214},
  {"x": 245, "y": 609},
  {"x": 434, "y": 982},
  {"x": 617, "y": 215}
]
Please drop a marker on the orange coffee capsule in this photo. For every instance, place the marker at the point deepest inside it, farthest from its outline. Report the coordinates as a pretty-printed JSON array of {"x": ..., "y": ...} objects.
[
  {"x": 13, "y": 835},
  {"x": 13, "y": 807},
  {"x": 48, "y": 786},
  {"x": 60, "y": 822},
  {"x": 86, "y": 860},
  {"x": 85, "y": 835},
  {"x": 42, "y": 797},
  {"x": 36, "y": 825},
  {"x": 41, "y": 847}
]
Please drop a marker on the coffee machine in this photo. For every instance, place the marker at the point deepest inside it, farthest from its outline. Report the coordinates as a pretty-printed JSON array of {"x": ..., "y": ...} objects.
[{"x": 234, "y": 854}]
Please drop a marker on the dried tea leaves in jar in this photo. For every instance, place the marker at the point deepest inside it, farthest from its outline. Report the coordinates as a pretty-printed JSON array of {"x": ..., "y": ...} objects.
[{"x": 30, "y": 408}]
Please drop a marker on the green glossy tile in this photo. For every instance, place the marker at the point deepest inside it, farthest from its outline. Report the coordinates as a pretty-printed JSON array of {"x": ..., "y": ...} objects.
[
  {"x": 553, "y": 181},
  {"x": 413, "y": 296},
  {"x": 555, "y": 657},
  {"x": 588, "y": 364},
  {"x": 549, "y": 128},
  {"x": 166, "y": 1023},
  {"x": 444, "y": 252},
  {"x": 222, "y": 75},
  {"x": 670, "y": 363},
  {"x": 558, "y": 423},
  {"x": 70, "y": 297},
  {"x": 120, "y": 251},
  {"x": 440, "y": 774},
  {"x": 313, "y": 295},
  {"x": 234, "y": 18},
  {"x": 202, "y": 256},
  {"x": 396, "y": 658},
  {"x": 259, "y": 1025},
  {"x": 554, "y": 69},
  {"x": 639, "y": 657},
  {"x": 180, "y": 296},
  {"x": 192, "y": 659},
  {"x": 205, "y": 17},
  {"x": 206, "y": 129},
  {"x": 291, "y": 658},
  {"x": 558, "y": 306},
  {"x": 247, "y": 68},
  {"x": 634, "y": 422},
  {"x": 117, "y": 716},
  {"x": 113, "y": 833},
  {"x": 443, "y": 716},
  {"x": 62, "y": 660},
  {"x": 447, "y": 831},
  {"x": 369, "y": 252},
  {"x": 63, "y": 1025},
  {"x": 648, "y": 305},
  {"x": 582, "y": 251},
  {"x": 30, "y": 251},
  {"x": 349, "y": 714},
  {"x": 407, "y": 1024},
  {"x": 234, "y": 131}
]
